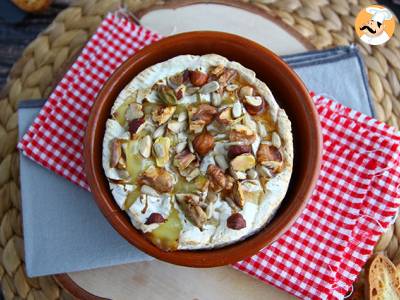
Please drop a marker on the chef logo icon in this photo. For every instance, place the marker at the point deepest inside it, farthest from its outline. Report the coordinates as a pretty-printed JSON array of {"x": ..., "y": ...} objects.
[{"x": 375, "y": 25}]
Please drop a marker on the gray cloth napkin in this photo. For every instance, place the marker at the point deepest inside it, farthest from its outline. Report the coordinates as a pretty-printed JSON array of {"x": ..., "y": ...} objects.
[{"x": 64, "y": 231}]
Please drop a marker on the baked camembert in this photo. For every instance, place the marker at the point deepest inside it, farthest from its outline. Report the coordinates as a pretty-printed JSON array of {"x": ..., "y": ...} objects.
[{"x": 197, "y": 152}]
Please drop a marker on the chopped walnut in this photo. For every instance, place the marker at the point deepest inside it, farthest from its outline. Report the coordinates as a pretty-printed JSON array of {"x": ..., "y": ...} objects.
[
  {"x": 242, "y": 133},
  {"x": 184, "y": 159},
  {"x": 217, "y": 178},
  {"x": 230, "y": 181},
  {"x": 195, "y": 126},
  {"x": 204, "y": 112},
  {"x": 158, "y": 178},
  {"x": 226, "y": 77}
]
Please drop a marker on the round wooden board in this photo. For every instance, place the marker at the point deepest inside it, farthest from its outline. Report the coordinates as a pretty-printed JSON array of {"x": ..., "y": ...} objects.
[{"x": 156, "y": 279}]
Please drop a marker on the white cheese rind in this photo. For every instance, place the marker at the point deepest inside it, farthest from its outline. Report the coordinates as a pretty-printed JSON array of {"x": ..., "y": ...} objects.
[{"x": 145, "y": 205}]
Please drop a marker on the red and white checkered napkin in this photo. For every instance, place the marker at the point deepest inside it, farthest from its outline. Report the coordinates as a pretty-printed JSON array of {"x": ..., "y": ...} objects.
[
  {"x": 55, "y": 139},
  {"x": 356, "y": 197}
]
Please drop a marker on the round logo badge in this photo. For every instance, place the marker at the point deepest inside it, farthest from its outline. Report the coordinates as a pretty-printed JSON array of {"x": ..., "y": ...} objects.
[{"x": 375, "y": 24}]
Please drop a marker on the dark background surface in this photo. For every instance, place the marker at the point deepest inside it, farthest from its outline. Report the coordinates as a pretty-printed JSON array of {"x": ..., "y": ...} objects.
[{"x": 18, "y": 29}]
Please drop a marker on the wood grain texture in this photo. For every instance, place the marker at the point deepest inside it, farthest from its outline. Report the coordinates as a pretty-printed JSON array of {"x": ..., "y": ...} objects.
[{"x": 158, "y": 280}]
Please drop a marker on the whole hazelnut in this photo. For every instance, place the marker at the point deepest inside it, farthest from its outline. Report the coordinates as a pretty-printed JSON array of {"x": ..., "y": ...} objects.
[
  {"x": 268, "y": 153},
  {"x": 198, "y": 78},
  {"x": 253, "y": 105},
  {"x": 235, "y": 150},
  {"x": 236, "y": 221},
  {"x": 154, "y": 218},
  {"x": 203, "y": 143}
]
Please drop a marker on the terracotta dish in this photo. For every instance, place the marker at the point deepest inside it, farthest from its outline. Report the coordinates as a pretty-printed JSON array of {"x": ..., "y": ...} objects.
[{"x": 288, "y": 90}]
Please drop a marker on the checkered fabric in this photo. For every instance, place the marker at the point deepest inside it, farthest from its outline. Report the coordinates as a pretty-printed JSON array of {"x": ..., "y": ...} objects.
[
  {"x": 55, "y": 139},
  {"x": 356, "y": 197}
]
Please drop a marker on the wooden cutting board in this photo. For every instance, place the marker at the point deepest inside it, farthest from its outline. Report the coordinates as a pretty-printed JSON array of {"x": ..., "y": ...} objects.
[{"x": 159, "y": 280}]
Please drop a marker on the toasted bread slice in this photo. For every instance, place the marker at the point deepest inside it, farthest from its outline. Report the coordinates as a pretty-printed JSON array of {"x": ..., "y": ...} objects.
[
  {"x": 32, "y": 6},
  {"x": 382, "y": 279}
]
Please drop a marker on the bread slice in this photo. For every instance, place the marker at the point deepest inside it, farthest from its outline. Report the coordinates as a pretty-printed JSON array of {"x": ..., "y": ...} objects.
[
  {"x": 382, "y": 279},
  {"x": 32, "y": 6}
]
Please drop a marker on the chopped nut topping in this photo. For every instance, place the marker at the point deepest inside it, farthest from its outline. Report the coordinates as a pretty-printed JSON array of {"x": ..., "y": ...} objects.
[
  {"x": 235, "y": 150},
  {"x": 221, "y": 161},
  {"x": 242, "y": 133},
  {"x": 202, "y": 183},
  {"x": 212, "y": 197},
  {"x": 195, "y": 126},
  {"x": 161, "y": 150},
  {"x": 276, "y": 140},
  {"x": 180, "y": 92},
  {"x": 246, "y": 91},
  {"x": 210, "y": 87},
  {"x": 196, "y": 139},
  {"x": 117, "y": 155},
  {"x": 269, "y": 156},
  {"x": 167, "y": 95},
  {"x": 226, "y": 77},
  {"x": 237, "y": 110},
  {"x": 184, "y": 159},
  {"x": 253, "y": 105},
  {"x": 190, "y": 206},
  {"x": 116, "y": 152},
  {"x": 175, "y": 80},
  {"x": 145, "y": 146},
  {"x": 238, "y": 194},
  {"x": 217, "y": 178},
  {"x": 225, "y": 117},
  {"x": 230, "y": 181},
  {"x": 243, "y": 162},
  {"x": 218, "y": 70},
  {"x": 163, "y": 114},
  {"x": 176, "y": 126},
  {"x": 158, "y": 178},
  {"x": 204, "y": 112},
  {"x": 134, "y": 111}
]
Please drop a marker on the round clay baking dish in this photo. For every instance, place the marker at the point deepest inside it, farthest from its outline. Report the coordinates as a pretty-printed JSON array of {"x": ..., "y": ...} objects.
[{"x": 290, "y": 93}]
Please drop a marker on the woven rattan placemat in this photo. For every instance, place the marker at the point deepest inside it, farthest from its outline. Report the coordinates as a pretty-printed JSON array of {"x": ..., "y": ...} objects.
[{"x": 325, "y": 23}]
